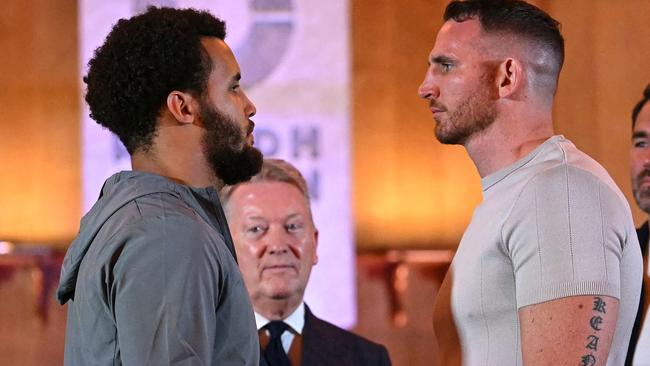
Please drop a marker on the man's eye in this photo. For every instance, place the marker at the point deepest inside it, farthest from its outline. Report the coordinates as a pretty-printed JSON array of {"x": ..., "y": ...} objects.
[
  {"x": 640, "y": 144},
  {"x": 255, "y": 229},
  {"x": 235, "y": 87},
  {"x": 294, "y": 227},
  {"x": 445, "y": 67}
]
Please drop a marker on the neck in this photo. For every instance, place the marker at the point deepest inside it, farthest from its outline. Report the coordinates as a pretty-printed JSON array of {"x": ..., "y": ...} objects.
[
  {"x": 506, "y": 141},
  {"x": 273, "y": 309},
  {"x": 176, "y": 153}
]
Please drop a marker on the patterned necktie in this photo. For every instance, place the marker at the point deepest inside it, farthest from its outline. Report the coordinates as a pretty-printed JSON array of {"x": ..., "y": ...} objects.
[{"x": 274, "y": 353}]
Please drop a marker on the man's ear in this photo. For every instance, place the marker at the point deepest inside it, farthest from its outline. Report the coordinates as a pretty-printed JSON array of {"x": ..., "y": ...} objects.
[
  {"x": 315, "y": 259},
  {"x": 510, "y": 77},
  {"x": 183, "y": 106}
]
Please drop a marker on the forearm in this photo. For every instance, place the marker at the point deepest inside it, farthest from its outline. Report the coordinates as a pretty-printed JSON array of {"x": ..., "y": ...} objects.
[{"x": 576, "y": 330}]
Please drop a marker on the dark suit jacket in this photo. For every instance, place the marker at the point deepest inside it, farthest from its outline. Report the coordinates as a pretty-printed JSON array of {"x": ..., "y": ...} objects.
[
  {"x": 643, "y": 234},
  {"x": 325, "y": 344}
]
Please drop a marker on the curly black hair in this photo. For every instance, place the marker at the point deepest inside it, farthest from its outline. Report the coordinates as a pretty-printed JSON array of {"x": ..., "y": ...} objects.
[
  {"x": 143, "y": 59},
  {"x": 640, "y": 104}
]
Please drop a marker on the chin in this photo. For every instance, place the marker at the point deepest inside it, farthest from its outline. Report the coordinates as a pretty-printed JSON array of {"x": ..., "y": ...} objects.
[{"x": 281, "y": 292}]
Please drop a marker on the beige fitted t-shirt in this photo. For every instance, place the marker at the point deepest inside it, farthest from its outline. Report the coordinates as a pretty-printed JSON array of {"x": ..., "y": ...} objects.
[{"x": 551, "y": 225}]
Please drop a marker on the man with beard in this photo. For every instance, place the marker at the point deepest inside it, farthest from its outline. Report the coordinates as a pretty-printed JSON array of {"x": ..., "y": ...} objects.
[
  {"x": 640, "y": 169},
  {"x": 548, "y": 271},
  {"x": 152, "y": 277},
  {"x": 276, "y": 240}
]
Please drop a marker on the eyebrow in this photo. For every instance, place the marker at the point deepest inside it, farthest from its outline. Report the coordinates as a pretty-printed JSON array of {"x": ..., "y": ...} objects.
[
  {"x": 639, "y": 134},
  {"x": 295, "y": 215},
  {"x": 262, "y": 218},
  {"x": 255, "y": 217},
  {"x": 236, "y": 77},
  {"x": 441, "y": 59}
]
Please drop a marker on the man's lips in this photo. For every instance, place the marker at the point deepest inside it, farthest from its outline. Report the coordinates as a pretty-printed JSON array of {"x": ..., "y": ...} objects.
[
  {"x": 643, "y": 178},
  {"x": 278, "y": 268},
  {"x": 435, "y": 108},
  {"x": 643, "y": 184},
  {"x": 250, "y": 138}
]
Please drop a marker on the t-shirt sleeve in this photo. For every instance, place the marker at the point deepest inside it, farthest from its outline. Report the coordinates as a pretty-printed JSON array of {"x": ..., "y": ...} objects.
[
  {"x": 566, "y": 235},
  {"x": 165, "y": 292}
]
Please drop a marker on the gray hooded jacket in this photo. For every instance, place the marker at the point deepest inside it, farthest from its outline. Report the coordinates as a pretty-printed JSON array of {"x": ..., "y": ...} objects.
[{"x": 152, "y": 279}]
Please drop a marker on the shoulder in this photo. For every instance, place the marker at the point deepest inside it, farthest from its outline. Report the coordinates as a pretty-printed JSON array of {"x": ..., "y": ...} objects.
[
  {"x": 568, "y": 167},
  {"x": 163, "y": 227},
  {"x": 163, "y": 204},
  {"x": 166, "y": 216},
  {"x": 569, "y": 201},
  {"x": 341, "y": 344},
  {"x": 574, "y": 187}
]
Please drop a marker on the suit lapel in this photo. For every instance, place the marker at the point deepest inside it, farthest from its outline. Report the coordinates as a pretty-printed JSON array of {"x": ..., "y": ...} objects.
[
  {"x": 320, "y": 346},
  {"x": 643, "y": 234}
]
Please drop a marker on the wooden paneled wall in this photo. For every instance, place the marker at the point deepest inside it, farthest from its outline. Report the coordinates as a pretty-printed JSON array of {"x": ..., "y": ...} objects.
[
  {"x": 39, "y": 121},
  {"x": 411, "y": 191}
]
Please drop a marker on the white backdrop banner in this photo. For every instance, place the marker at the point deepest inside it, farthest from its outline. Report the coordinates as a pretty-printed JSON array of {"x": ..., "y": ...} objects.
[{"x": 294, "y": 59}]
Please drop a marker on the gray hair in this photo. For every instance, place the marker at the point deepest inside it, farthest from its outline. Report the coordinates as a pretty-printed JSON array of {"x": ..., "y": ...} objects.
[{"x": 273, "y": 170}]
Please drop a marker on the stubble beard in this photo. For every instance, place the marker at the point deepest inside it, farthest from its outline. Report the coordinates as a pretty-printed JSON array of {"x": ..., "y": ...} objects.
[
  {"x": 473, "y": 115},
  {"x": 641, "y": 195}
]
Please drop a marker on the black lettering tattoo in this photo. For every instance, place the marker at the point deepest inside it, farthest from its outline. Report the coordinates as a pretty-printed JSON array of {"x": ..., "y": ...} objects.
[
  {"x": 588, "y": 360},
  {"x": 599, "y": 305},
  {"x": 593, "y": 342},
  {"x": 595, "y": 322}
]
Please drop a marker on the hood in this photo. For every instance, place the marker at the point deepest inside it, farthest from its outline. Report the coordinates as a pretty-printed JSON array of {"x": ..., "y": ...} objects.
[{"x": 117, "y": 191}]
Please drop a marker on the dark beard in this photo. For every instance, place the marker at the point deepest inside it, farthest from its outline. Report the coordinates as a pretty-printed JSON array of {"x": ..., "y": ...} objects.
[
  {"x": 641, "y": 195},
  {"x": 225, "y": 148}
]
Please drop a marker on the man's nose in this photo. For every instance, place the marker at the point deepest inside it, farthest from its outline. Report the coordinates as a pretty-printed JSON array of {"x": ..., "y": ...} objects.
[
  {"x": 645, "y": 159},
  {"x": 249, "y": 108},
  {"x": 278, "y": 241},
  {"x": 428, "y": 88}
]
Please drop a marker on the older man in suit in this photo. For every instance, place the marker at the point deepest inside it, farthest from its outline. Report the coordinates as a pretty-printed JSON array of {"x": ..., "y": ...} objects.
[
  {"x": 639, "y": 350},
  {"x": 275, "y": 237}
]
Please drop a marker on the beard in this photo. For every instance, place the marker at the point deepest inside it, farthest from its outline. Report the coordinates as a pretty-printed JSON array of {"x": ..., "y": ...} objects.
[
  {"x": 474, "y": 114},
  {"x": 225, "y": 147},
  {"x": 641, "y": 195}
]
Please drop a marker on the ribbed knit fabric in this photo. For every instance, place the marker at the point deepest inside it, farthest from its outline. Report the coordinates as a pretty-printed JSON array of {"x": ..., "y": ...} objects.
[{"x": 551, "y": 225}]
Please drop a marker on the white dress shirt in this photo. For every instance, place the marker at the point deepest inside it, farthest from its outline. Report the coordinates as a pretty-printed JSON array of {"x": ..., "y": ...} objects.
[{"x": 295, "y": 321}]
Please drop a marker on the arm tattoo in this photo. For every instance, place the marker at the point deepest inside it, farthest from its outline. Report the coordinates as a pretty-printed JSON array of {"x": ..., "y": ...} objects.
[
  {"x": 595, "y": 322},
  {"x": 599, "y": 305},
  {"x": 592, "y": 340},
  {"x": 588, "y": 360}
]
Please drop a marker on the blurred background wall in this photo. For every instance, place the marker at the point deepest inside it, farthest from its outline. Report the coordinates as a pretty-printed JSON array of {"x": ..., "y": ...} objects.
[
  {"x": 409, "y": 191},
  {"x": 39, "y": 121}
]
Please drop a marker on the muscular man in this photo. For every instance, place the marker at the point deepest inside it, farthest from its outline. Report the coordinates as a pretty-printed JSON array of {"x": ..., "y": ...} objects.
[
  {"x": 639, "y": 350},
  {"x": 274, "y": 233},
  {"x": 548, "y": 271},
  {"x": 152, "y": 277}
]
